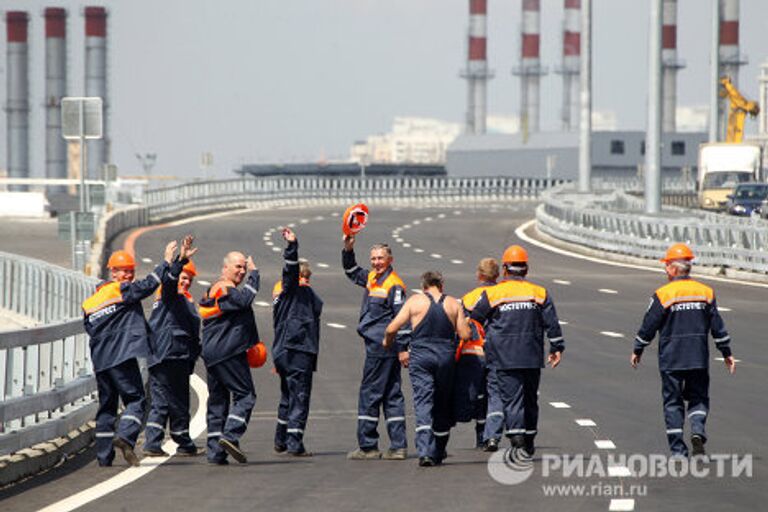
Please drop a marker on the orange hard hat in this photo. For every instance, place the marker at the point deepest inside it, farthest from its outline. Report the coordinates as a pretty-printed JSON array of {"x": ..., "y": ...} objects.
[
  {"x": 257, "y": 355},
  {"x": 515, "y": 254},
  {"x": 190, "y": 268},
  {"x": 678, "y": 252},
  {"x": 354, "y": 219},
  {"x": 121, "y": 259}
]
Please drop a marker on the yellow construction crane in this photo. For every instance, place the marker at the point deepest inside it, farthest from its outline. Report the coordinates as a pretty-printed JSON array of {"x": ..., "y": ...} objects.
[{"x": 738, "y": 110}]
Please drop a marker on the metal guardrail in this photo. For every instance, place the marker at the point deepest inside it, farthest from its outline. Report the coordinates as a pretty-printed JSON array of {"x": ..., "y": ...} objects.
[
  {"x": 615, "y": 222},
  {"x": 47, "y": 387}
]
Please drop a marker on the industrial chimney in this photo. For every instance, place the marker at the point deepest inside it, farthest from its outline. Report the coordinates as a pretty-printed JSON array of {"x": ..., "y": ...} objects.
[
  {"x": 571, "y": 64},
  {"x": 17, "y": 105},
  {"x": 530, "y": 69},
  {"x": 96, "y": 82},
  {"x": 477, "y": 72},
  {"x": 55, "y": 89},
  {"x": 671, "y": 64}
]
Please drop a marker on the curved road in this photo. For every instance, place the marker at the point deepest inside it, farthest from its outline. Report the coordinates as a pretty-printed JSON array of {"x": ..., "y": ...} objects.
[{"x": 601, "y": 307}]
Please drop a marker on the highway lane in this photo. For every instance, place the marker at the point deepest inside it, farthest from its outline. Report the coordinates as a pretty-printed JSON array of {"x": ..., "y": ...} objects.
[{"x": 595, "y": 380}]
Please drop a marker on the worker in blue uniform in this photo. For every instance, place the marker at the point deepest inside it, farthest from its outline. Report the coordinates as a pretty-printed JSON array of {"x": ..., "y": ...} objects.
[
  {"x": 296, "y": 314},
  {"x": 175, "y": 325},
  {"x": 115, "y": 323},
  {"x": 471, "y": 393},
  {"x": 229, "y": 329},
  {"x": 684, "y": 313},
  {"x": 381, "y": 382},
  {"x": 517, "y": 315},
  {"x": 436, "y": 319}
]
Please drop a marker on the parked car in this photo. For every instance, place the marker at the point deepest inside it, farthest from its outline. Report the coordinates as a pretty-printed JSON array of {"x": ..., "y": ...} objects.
[{"x": 747, "y": 198}]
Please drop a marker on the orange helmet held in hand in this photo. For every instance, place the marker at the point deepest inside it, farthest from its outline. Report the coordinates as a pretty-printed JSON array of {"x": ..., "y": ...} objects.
[
  {"x": 257, "y": 355},
  {"x": 190, "y": 268},
  {"x": 514, "y": 254},
  {"x": 354, "y": 219},
  {"x": 121, "y": 259},
  {"x": 678, "y": 252}
]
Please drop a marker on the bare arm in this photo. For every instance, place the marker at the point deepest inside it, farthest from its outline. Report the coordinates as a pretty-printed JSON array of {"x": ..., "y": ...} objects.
[
  {"x": 402, "y": 318},
  {"x": 462, "y": 324}
]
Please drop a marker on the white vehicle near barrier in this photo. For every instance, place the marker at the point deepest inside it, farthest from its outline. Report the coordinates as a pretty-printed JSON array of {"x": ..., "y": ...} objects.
[{"x": 724, "y": 165}]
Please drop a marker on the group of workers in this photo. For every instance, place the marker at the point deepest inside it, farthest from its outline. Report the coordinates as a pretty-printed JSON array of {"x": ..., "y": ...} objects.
[{"x": 478, "y": 358}]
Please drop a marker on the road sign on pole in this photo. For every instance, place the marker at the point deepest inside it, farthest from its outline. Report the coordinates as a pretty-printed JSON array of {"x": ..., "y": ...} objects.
[{"x": 82, "y": 118}]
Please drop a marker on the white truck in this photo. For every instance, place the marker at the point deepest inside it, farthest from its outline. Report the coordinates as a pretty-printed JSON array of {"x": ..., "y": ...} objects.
[{"x": 722, "y": 166}]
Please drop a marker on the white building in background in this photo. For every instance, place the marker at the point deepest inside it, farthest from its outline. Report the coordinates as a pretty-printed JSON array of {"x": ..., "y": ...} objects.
[
  {"x": 412, "y": 140},
  {"x": 693, "y": 119}
]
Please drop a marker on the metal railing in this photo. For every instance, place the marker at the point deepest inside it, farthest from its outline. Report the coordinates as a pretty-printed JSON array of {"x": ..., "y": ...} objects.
[
  {"x": 615, "y": 222},
  {"x": 47, "y": 386}
]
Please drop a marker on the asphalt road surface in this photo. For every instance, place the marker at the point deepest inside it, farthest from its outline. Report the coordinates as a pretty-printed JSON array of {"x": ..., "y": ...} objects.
[{"x": 593, "y": 405}]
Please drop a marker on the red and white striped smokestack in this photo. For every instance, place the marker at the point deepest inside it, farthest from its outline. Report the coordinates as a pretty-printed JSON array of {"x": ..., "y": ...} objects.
[
  {"x": 477, "y": 72},
  {"x": 55, "y": 89},
  {"x": 571, "y": 64},
  {"x": 96, "y": 82},
  {"x": 17, "y": 90},
  {"x": 530, "y": 66},
  {"x": 730, "y": 59},
  {"x": 670, "y": 64}
]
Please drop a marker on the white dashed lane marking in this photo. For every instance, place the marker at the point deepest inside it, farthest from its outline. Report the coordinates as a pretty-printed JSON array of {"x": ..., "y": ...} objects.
[
  {"x": 586, "y": 422},
  {"x": 436, "y": 256},
  {"x": 292, "y": 225},
  {"x": 262, "y": 304},
  {"x": 416, "y": 222},
  {"x": 605, "y": 444},
  {"x": 560, "y": 405},
  {"x": 621, "y": 471},
  {"x": 441, "y": 216},
  {"x": 323, "y": 265},
  {"x": 270, "y": 243},
  {"x": 406, "y": 244},
  {"x": 203, "y": 283},
  {"x": 457, "y": 262},
  {"x": 612, "y": 334},
  {"x": 622, "y": 505},
  {"x": 399, "y": 240},
  {"x": 608, "y": 291},
  {"x": 304, "y": 221},
  {"x": 335, "y": 214},
  {"x": 276, "y": 249},
  {"x": 418, "y": 250},
  {"x": 562, "y": 322},
  {"x": 721, "y": 359},
  {"x": 336, "y": 326},
  {"x": 146, "y": 260},
  {"x": 457, "y": 212},
  {"x": 561, "y": 281},
  {"x": 721, "y": 308}
]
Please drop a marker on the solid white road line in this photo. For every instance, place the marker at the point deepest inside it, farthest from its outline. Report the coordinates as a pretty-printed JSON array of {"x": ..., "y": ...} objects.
[
  {"x": 605, "y": 444},
  {"x": 608, "y": 291},
  {"x": 560, "y": 405},
  {"x": 127, "y": 476},
  {"x": 586, "y": 422},
  {"x": 520, "y": 233},
  {"x": 561, "y": 281},
  {"x": 621, "y": 505},
  {"x": 612, "y": 334},
  {"x": 336, "y": 326}
]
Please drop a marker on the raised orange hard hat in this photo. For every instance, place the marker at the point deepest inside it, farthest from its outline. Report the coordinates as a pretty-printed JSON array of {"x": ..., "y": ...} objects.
[
  {"x": 354, "y": 219},
  {"x": 190, "y": 268},
  {"x": 515, "y": 254},
  {"x": 121, "y": 259},
  {"x": 678, "y": 252},
  {"x": 257, "y": 355}
]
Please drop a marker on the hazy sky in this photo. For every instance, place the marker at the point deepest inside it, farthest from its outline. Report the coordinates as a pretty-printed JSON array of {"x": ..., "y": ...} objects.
[{"x": 277, "y": 80}]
